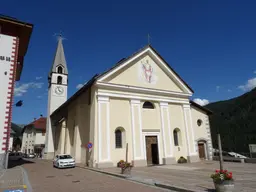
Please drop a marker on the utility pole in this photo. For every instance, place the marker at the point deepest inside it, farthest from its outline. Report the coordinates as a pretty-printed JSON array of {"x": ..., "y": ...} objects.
[{"x": 220, "y": 153}]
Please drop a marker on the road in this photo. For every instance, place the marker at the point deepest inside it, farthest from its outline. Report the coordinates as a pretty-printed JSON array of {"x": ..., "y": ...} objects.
[{"x": 44, "y": 178}]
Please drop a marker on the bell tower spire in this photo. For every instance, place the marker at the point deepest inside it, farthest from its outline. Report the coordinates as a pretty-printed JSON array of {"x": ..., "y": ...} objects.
[
  {"x": 57, "y": 94},
  {"x": 59, "y": 58}
]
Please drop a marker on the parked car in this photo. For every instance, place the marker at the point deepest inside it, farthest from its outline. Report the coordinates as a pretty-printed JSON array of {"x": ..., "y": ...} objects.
[
  {"x": 14, "y": 156},
  {"x": 64, "y": 160},
  {"x": 31, "y": 155}
]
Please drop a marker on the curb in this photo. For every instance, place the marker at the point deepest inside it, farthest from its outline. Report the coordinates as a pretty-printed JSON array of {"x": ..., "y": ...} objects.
[
  {"x": 26, "y": 182},
  {"x": 105, "y": 172},
  {"x": 156, "y": 184},
  {"x": 173, "y": 187}
]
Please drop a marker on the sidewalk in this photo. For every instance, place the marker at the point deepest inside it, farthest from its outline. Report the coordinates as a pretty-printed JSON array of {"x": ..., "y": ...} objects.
[
  {"x": 14, "y": 178},
  {"x": 188, "y": 177}
]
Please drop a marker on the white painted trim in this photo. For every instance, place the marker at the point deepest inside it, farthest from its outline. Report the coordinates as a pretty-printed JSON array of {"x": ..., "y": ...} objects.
[
  {"x": 169, "y": 133},
  {"x": 137, "y": 56},
  {"x": 99, "y": 133},
  {"x": 192, "y": 130},
  {"x": 103, "y": 100},
  {"x": 186, "y": 127},
  {"x": 141, "y": 137},
  {"x": 142, "y": 89},
  {"x": 164, "y": 104},
  {"x": 121, "y": 66},
  {"x": 133, "y": 105},
  {"x": 133, "y": 131},
  {"x": 158, "y": 143},
  {"x": 118, "y": 95},
  {"x": 135, "y": 101},
  {"x": 175, "y": 76},
  {"x": 162, "y": 129},
  {"x": 108, "y": 133}
]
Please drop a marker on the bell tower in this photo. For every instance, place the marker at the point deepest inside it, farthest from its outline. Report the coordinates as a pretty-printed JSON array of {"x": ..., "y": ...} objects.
[{"x": 57, "y": 94}]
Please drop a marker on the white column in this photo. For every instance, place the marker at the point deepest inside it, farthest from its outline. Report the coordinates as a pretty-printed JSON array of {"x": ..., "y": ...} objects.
[
  {"x": 189, "y": 128},
  {"x": 133, "y": 105},
  {"x": 164, "y": 110},
  {"x": 192, "y": 131},
  {"x": 63, "y": 136},
  {"x": 103, "y": 100}
]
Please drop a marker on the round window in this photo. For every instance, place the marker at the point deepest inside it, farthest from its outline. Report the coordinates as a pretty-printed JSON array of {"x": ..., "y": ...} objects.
[{"x": 199, "y": 122}]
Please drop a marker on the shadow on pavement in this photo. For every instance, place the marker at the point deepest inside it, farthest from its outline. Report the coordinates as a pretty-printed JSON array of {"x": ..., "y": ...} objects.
[{"x": 14, "y": 163}]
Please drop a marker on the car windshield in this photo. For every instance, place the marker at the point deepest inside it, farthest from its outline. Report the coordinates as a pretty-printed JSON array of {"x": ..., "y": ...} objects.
[{"x": 65, "y": 157}]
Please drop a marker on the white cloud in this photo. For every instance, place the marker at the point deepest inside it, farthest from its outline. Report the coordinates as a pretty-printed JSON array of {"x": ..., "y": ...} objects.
[
  {"x": 20, "y": 89},
  {"x": 39, "y": 97},
  {"x": 254, "y": 72},
  {"x": 37, "y": 78},
  {"x": 79, "y": 86},
  {"x": 217, "y": 88},
  {"x": 250, "y": 84},
  {"x": 229, "y": 90},
  {"x": 201, "y": 102}
]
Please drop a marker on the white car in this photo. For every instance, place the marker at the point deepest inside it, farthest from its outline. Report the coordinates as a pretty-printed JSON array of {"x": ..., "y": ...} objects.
[{"x": 64, "y": 160}]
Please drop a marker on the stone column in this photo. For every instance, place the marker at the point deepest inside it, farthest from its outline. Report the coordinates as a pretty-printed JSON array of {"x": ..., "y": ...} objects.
[
  {"x": 137, "y": 138},
  {"x": 104, "y": 148},
  {"x": 166, "y": 134},
  {"x": 209, "y": 139},
  {"x": 190, "y": 140},
  {"x": 63, "y": 138}
]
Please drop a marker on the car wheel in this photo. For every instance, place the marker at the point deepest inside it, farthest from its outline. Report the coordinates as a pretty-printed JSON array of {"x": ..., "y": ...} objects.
[{"x": 58, "y": 165}]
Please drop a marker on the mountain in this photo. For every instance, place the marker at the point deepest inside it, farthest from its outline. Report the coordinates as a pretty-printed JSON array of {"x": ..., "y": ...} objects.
[{"x": 235, "y": 120}]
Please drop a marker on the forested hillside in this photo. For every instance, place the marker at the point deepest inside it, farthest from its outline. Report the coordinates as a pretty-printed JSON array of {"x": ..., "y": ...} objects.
[{"x": 235, "y": 120}]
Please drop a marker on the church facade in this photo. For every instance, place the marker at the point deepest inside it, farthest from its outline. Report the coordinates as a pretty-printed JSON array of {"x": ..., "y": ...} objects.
[{"x": 141, "y": 105}]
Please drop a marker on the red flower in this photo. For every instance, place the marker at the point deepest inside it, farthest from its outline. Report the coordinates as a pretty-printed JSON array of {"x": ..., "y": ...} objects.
[
  {"x": 225, "y": 171},
  {"x": 217, "y": 171}
]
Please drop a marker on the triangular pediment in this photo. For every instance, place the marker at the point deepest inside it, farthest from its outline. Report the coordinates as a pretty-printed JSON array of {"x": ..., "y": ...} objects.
[{"x": 146, "y": 69}]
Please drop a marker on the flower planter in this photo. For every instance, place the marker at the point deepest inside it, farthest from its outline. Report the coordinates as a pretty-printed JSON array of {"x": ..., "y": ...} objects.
[
  {"x": 126, "y": 171},
  {"x": 224, "y": 186}
]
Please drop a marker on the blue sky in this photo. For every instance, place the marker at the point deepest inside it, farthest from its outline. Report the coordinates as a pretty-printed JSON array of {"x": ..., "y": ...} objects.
[{"x": 211, "y": 44}]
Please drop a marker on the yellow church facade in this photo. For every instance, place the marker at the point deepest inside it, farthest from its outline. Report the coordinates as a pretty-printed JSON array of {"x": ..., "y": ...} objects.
[{"x": 140, "y": 103}]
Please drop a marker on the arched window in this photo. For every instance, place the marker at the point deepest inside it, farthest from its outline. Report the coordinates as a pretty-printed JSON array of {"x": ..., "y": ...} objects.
[
  {"x": 176, "y": 136},
  {"x": 60, "y": 70},
  {"x": 119, "y": 136},
  {"x": 148, "y": 105},
  {"x": 59, "y": 80}
]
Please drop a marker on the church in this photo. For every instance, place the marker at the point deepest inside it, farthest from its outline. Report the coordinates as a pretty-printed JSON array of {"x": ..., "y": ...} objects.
[{"x": 140, "y": 105}]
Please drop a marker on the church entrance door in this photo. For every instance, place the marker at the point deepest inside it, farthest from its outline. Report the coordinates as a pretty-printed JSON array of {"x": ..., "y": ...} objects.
[
  {"x": 201, "y": 150},
  {"x": 152, "y": 150}
]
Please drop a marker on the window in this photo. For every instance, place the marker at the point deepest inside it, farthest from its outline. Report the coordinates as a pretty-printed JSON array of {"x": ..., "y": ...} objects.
[
  {"x": 176, "y": 136},
  {"x": 148, "y": 105},
  {"x": 118, "y": 134},
  {"x": 59, "y": 80},
  {"x": 60, "y": 70},
  {"x": 199, "y": 122}
]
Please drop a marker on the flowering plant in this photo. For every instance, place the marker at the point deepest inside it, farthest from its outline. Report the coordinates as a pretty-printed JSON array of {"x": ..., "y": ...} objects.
[
  {"x": 125, "y": 165},
  {"x": 119, "y": 163},
  {"x": 222, "y": 175}
]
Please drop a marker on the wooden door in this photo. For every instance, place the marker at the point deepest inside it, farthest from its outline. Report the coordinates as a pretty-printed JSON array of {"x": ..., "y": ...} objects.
[
  {"x": 201, "y": 150},
  {"x": 152, "y": 150}
]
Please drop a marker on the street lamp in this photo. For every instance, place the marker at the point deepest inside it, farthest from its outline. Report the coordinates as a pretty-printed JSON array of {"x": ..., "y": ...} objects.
[{"x": 19, "y": 103}]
